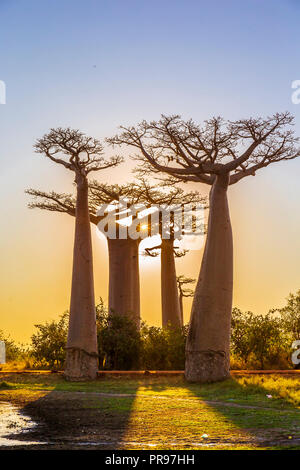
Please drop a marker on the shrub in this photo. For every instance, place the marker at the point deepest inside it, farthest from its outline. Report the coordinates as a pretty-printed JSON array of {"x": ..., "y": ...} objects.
[
  {"x": 48, "y": 344},
  {"x": 121, "y": 346},
  {"x": 290, "y": 316},
  {"x": 119, "y": 341},
  {"x": 241, "y": 337},
  {"x": 258, "y": 338},
  {"x": 163, "y": 348},
  {"x": 13, "y": 351},
  {"x": 256, "y": 341}
]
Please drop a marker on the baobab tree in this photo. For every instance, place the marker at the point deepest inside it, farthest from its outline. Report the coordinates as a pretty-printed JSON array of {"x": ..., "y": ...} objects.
[
  {"x": 82, "y": 155},
  {"x": 170, "y": 230},
  {"x": 219, "y": 153},
  {"x": 170, "y": 302},
  {"x": 184, "y": 291},
  {"x": 123, "y": 254}
]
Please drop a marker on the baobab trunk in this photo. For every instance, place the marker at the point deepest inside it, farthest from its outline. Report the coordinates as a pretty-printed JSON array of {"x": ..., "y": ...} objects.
[
  {"x": 169, "y": 292},
  {"x": 208, "y": 342},
  {"x": 82, "y": 354},
  {"x": 124, "y": 282}
]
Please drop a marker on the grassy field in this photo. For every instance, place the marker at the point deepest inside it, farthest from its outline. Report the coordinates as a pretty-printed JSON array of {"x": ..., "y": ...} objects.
[{"x": 247, "y": 412}]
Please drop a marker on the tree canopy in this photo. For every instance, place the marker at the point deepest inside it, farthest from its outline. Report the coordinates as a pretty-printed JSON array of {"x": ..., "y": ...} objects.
[{"x": 188, "y": 151}]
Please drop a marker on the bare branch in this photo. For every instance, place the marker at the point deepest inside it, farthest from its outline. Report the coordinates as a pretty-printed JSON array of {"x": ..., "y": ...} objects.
[
  {"x": 189, "y": 152},
  {"x": 75, "y": 151},
  {"x": 181, "y": 281}
]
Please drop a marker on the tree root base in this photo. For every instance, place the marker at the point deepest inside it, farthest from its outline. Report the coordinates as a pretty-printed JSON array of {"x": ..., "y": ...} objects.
[
  {"x": 206, "y": 366},
  {"x": 80, "y": 365}
]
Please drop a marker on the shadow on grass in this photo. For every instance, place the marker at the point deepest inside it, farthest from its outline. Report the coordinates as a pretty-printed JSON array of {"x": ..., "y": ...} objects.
[
  {"x": 161, "y": 413},
  {"x": 234, "y": 412},
  {"x": 73, "y": 415}
]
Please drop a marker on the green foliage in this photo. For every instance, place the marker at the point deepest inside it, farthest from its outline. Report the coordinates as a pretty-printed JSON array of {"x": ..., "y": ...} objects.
[
  {"x": 119, "y": 341},
  {"x": 260, "y": 338},
  {"x": 163, "y": 348},
  {"x": 290, "y": 316},
  {"x": 5, "y": 386},
  {"x": 267, "y": 338},
  {"x": 48, "y": 344},
  {"x": 121, "y": 346},
  {"x": 13, "y": 351},
  {"x": 262, "y": 341},
  {"x": 241, "y": 337}
]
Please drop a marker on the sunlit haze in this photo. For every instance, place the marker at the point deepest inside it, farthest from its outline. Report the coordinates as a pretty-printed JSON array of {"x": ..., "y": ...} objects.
[{"x": 95, "y": 65}]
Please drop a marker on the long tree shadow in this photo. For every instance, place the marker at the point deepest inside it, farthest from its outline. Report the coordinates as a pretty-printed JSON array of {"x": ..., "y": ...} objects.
[
  {"x": 76, "y": 415},
  {"x": 161, "y": 413},
  {"x": 235, "y": 413},
  {"x": 251, "y": 413}
]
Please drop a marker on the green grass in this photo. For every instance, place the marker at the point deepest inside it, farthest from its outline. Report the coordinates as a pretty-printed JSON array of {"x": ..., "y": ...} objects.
[
  {"x": 247, "y": 389},
  {"x": 170, "y": 413},
  {"x": 6, "y": 386}
]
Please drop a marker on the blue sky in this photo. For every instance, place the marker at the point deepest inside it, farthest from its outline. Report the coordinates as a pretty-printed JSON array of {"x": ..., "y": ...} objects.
[
  {"x": 124, "y": 60},
  {"x": 95, "y": 65}
]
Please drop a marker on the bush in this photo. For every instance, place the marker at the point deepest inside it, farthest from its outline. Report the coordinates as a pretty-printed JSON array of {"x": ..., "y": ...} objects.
[
  {"x": 13, "y": 351},
  {"x": 290, "y": 317},
  {"x": 119, "y": 341},
  {"x": 163, "y": 348},
  {"x": 48, "y": 344},
  {"x": 268, "y": 340},
  {"x": 121, "y": 346},
  {"x": 256, "y": 341},
  {"x": 259, "y": 339},
  {"x": 241, "y": 337}
]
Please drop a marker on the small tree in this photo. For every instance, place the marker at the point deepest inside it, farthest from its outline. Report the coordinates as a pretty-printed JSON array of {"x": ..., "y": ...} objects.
[
  {"x": 266, "y": 338},
  {"x": 163, "y": 348},
  {"x": 257, "y": 336},
  {"x": 120, "y": 343},
  {"x": 12, "y": 350},
  {"x": 241, "y": 334},
  {"x": 290, "y": 316},
  {"x": 184, "y": 291},
  {"x": 48, "y": 344}
]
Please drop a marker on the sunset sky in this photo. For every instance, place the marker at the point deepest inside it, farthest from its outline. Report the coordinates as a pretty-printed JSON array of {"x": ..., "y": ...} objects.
[{"x": 97, "y": 64}]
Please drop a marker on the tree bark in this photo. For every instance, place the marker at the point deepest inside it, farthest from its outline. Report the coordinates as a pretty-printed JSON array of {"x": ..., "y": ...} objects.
[
  {"x": 124, "y": 281},
  {"x": 169, "y": 292},
  {"x": 208, "y": 342},
  {"x": 81, "y": 351}
]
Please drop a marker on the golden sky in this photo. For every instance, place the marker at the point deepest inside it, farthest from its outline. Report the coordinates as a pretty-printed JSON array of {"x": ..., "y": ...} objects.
[
  {"x": 37, "y": 252},
  {"x": 102, "y": 64}
]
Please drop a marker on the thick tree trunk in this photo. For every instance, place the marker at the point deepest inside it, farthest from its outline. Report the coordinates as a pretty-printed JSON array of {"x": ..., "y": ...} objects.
[
  {"x": 208, "y": 342},
  {"x": 82, "y": 353},
  {"x": 169, "y": 291},
  {"x": 124, "y": 281}
]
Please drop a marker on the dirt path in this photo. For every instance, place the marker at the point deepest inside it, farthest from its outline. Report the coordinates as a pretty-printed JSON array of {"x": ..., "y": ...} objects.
[
  {"x": 74, "y": 420},
  {"x": 166, "y": 397}
]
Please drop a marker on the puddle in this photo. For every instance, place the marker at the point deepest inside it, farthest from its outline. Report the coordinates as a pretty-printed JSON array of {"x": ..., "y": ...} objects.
[{"x": 14, "y": 423}]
